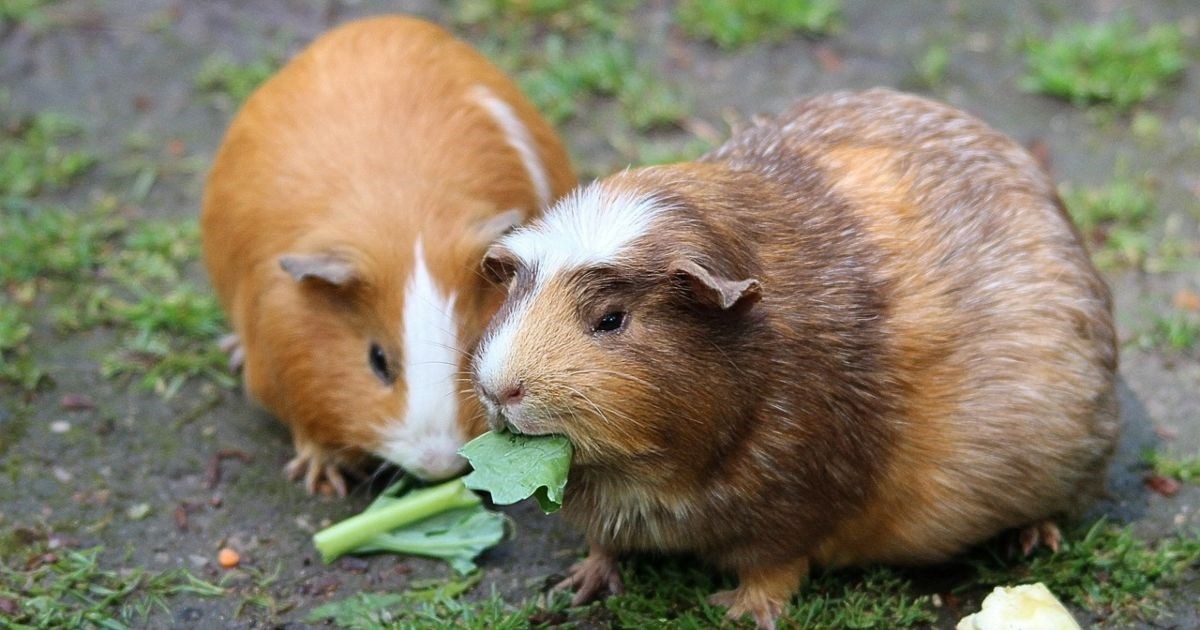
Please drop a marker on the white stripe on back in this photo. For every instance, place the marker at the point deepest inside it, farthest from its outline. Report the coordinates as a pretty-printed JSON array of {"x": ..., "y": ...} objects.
[{"x": 518, "y": 137}]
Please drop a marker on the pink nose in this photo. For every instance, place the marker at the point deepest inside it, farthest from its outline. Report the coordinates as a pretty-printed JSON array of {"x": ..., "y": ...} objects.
[{"x": 513, "y": 394}]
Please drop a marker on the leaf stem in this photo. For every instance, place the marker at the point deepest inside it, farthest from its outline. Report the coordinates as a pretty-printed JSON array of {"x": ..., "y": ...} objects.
[{"x": 351, "y": 533}]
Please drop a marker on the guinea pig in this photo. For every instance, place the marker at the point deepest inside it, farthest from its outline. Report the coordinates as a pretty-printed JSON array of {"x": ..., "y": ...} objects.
[
  {"x": 343, "y": 222},
  {"x": 863, "y": 332}
]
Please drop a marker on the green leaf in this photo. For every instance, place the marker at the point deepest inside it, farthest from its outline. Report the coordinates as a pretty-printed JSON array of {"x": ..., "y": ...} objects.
[
  {"x": 513, "y": 467},
  {"x": 456, "y": 536},
  {"x": 444, "y": 521}
]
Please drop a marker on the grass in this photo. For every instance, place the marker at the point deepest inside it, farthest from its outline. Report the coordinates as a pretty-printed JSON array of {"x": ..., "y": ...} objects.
[
  {"x": 230, "y": 82},
  {"x": 1105, "y": 569},
  {"x": 16, "y": 11},
  {"x": 1176, "y": 331},
  {"x": 65, "y": 588},
  {"x": 33, "y": 158},
  {"x": 931, "y": 67},
  {"x": 733, "y": 24},
  {"x": 16, "y": 360},
  {"x": 1115, "y": 219},
  {"x": 93, "y": 266},
  {"x": 572, "y": 56},
  {"x": 1185, "y": 469},
  {"x": 97, "y": 268},
  {"x": 1117, "y": 62},
  {"x": 669, "y": 593}
]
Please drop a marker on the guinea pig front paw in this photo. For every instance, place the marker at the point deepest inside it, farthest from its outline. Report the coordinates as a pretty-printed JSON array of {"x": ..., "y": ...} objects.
[
  {"x": 592, "y": 576},
  {"x": 744, "y": 601},
  {"x": 319, "y": 470},
  {"x": 1044, "y": 533},
  {"x": 231, "y": 345},
  {"x": 762, "y": 591}
]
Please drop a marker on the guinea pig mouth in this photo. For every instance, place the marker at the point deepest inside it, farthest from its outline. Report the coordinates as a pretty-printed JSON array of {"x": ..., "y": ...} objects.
[{"x": 502, "y": 420}]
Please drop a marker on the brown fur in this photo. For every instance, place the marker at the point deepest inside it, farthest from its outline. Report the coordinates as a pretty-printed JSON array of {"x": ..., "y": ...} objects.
[
  {"x": 364, "y": 141},
  {"x": 931, "y": 361}
]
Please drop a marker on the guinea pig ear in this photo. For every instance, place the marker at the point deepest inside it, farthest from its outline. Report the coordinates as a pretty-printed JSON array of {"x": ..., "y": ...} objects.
[
  {"x": 716, "y": 291},
  {"x": 328, "y": 268},
  {"x": 492, "y": 228},
  {"x": 498, "y": 265}
]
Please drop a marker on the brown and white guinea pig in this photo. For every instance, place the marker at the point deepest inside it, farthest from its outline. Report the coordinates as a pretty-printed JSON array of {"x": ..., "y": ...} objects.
[
  {"x": 343, "y": 223},
  {"x": 865, "y": 331}
]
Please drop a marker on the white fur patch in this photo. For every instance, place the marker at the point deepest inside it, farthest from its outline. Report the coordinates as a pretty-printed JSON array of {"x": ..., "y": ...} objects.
[
  {"x": 427, "y": 439},
  {"x": 493, "y": 352},
  {"x": 518, "y": 137},
  {"x": 589, "y": 227}
]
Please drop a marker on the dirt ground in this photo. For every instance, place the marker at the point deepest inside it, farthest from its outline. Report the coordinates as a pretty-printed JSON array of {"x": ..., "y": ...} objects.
[{"x": 119, "y": 474}]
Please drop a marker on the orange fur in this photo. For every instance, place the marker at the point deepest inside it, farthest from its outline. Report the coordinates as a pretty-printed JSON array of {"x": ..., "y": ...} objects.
[{"x": 363, "y": 143}]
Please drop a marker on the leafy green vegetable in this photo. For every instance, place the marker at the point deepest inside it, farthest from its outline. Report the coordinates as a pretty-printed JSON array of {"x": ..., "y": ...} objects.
[
  {"x": 446, "y": 521},
  {"x": 512, "y": 467}
]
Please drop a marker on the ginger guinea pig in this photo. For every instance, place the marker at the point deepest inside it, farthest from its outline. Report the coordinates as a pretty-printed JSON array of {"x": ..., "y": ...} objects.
[
  {"x": 863, "y": 332},
  {"x": 343, "y": 222}
]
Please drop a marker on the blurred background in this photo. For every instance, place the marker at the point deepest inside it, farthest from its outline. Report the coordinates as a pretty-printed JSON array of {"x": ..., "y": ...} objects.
[{"x": 128, "y": 455}]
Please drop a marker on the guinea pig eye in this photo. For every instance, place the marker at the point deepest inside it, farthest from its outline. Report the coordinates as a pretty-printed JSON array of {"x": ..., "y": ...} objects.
[
  {"x": 611, "y": 321},
  {"x": 379, "y": 364}
]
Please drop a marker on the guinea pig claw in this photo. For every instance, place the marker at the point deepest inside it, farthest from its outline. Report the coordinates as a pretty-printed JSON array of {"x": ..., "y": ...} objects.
[
  {"x": 231, "y": 344},
  {"x": 316, "y": 474},
  {"x": 592, "y": 576},
  {"x": 741, "y": 602},
  {"x": 1045, "y": 533}
]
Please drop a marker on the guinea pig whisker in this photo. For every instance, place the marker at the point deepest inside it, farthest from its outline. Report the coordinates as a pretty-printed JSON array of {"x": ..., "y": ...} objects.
[
  {"x": 460, "y": 351},
  {"x": 622, "y": 375},
  {"x": 455, "y": 365},
  {"x": 589, "y": 401}
]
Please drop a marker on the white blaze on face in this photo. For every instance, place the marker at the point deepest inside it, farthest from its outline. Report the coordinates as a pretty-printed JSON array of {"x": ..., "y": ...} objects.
[
  {"x": 428, "y": 437},
  {"x": 590, "y": 227},
  {"x": 518, "y": 137}
]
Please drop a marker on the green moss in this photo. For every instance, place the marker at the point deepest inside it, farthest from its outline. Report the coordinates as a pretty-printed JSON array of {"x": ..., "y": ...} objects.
[
  {"x": 1117, "y": 62},
  {"x": 735, "y": 23}
]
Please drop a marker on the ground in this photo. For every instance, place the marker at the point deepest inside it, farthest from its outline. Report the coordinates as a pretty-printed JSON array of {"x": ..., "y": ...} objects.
[{"x": 122, "y": 434}]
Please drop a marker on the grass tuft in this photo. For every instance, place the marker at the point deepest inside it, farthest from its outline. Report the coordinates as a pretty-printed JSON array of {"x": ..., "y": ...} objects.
[
  {"x": 735, "y": 23},
  {"x": 1117, "y": 62},
  {"x": 1106, "y": 569},
  {"x": 1185, "y": 469},
  {"x": 33, "y": 159},
  {"x": 231, "y": 82},
  {"x": 69, "y": 589},
  {"x": 1115, "y": 219}
]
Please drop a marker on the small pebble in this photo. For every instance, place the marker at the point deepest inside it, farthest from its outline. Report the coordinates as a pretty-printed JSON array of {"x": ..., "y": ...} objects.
[
  {"x": 138, "y": 512},
  {"x": 228, "y": 558},
  {"x": 60, "y": 426},
  {"x": 62, "y": 474}
]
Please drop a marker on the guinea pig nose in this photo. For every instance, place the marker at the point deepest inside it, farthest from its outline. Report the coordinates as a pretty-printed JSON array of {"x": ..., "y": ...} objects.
[{"x": 512, "y": 394}]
